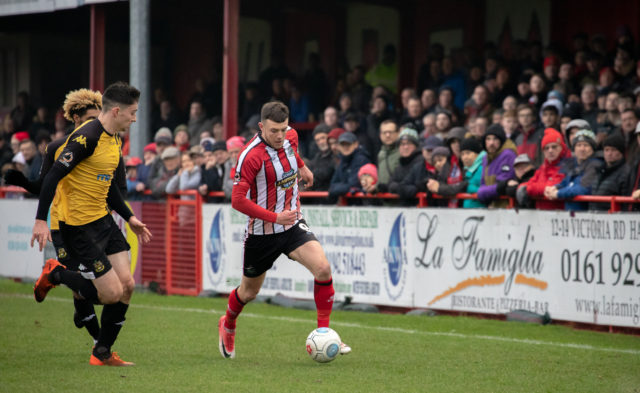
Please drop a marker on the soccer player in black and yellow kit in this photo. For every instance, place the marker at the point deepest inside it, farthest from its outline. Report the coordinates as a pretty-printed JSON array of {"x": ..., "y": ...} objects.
[
  {"x": 79, "y": 106},
  {"x": 81, "y": 177}
]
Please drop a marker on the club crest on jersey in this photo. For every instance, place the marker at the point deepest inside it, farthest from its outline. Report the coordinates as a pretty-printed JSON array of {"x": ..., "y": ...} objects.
[
  {"x": 81, "y": 139},
  {"x": 288, "y": 179},
  {"x": 62, "y": 253},
  {"x": 66, "y": 158}
]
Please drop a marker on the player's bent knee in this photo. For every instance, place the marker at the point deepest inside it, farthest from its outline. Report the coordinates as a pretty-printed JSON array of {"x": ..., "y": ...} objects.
[
  {"x": 322, "y": 271},
  {"x": 110, "y": 296},
  {"x": 128, "y": 286}
]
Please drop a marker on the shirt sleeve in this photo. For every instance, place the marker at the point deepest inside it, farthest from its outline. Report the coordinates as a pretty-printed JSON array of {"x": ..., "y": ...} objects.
[
  {"x": 243, "y": 179},
  {"x": 80, "y": 145}
]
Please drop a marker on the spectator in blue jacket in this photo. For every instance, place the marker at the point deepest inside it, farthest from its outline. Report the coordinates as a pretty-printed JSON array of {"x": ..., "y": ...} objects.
[
  {"x": 352, "y": 158},
  {"x": 581, "y": 172}
]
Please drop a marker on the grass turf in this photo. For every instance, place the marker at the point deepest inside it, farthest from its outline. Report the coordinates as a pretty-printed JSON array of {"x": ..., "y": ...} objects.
[{"x": 173, "y": 341}]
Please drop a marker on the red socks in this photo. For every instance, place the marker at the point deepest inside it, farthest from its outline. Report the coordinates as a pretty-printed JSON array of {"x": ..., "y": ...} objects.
[
  {"x": 234, "y": 308},
  {"x": 323, "y": 295}
]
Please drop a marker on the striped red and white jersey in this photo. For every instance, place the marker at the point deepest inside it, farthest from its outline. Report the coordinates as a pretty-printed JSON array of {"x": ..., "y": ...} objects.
[{"x": 270, "y": 177}]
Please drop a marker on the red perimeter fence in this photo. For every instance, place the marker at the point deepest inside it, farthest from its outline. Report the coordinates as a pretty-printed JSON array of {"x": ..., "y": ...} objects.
[{"x": 173, "y": 257}]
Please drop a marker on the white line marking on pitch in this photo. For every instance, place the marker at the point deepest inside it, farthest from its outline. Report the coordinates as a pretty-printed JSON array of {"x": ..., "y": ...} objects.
[{"x": 359, "y": 326}]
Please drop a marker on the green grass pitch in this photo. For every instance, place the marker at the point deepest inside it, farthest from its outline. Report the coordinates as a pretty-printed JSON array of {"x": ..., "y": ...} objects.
[{"x": 173, "y": 341}]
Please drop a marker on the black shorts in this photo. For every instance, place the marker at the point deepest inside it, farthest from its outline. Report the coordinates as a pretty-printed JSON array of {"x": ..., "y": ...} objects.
[
  {"x": 88, "y": 245},
  {"x": 61, "y": 250},
  {"x": 260, "y": 251}
]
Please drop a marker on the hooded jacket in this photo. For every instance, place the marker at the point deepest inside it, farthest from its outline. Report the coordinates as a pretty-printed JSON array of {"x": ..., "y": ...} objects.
[
  {"x": 496, "y": 167},
  {"x": 549, "y": 174},
  {"x": 470, "y": 184}
]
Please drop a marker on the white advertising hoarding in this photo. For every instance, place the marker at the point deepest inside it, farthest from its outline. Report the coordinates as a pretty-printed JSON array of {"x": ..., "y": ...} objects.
[
  {"x": 582, "y": 267},
  {"x": 18, "y": 258}
]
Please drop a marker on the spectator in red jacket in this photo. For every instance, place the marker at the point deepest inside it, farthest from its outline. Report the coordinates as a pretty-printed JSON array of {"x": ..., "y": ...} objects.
[{"x": 549, "y": 174}]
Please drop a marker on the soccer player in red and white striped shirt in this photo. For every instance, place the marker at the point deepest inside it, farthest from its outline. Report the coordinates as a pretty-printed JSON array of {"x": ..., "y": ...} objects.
[{"x": 265, "y": 188}]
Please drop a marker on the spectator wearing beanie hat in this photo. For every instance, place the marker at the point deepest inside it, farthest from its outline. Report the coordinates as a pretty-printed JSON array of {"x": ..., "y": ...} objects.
[
  {"x": 332, "y": 139},
  {"x": 181, "y": 138},
  {"x": 368, "y": 176},
  {"x": 613, "y": 178},
  {"x": 471, "y": 154},
  {"x": 581, "y": 171},
  {"x": 409, "y": 155},
  {"x": 497, "y": 165},
  {"x": 149, "y": 155},
  {"x": 443, "y": 170},
  {"x": 549, "y": 174}
]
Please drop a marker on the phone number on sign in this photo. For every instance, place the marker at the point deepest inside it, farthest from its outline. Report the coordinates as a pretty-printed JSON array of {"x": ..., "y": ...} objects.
[{"x": 619, "y": 269}]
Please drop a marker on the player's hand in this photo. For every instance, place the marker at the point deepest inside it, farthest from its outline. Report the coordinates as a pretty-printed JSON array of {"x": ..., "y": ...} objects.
[
  {"x": 307, "y": 176},
  {"x": 140, "y": 229},
  {"x": 287, "y": 217},
  {"x": 40, "y": 233}
]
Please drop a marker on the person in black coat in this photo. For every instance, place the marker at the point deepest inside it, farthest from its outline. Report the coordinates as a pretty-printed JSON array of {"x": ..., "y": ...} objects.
[
  {"x": 352, "y": 158},
  {"x": 322, "y": 164},
  {"x": 613, "y": 178}
]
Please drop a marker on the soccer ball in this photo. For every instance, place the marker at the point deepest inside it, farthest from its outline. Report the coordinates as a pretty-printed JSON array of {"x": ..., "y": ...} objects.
[{"x": 323, "y": 345}]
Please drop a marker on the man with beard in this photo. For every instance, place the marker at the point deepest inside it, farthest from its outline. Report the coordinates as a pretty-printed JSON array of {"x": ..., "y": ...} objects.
[{"x": 497, "y": 165}]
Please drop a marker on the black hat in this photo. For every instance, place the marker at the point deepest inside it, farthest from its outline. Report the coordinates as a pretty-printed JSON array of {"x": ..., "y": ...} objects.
[
  {"x": 615, "y": 140},
  {"x": 220, "y": 145},
  {"x": 470, "y": 144},
  {"x": 497, "y": 131}
]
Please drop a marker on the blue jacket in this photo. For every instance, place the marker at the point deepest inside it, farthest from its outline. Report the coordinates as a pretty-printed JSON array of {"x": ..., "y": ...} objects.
[
  {"x": 578, "y": 180},
  {"x": 345, "y": 176}
]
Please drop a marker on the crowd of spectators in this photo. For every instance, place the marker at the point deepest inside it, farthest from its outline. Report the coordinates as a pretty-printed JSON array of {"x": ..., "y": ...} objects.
[{"x": 541, "y": 126}]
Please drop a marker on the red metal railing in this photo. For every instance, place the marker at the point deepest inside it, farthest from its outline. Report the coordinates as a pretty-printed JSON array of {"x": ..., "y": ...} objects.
[
  {"x": 184, "y": 255},
  {"x": 173, "y": 258}
]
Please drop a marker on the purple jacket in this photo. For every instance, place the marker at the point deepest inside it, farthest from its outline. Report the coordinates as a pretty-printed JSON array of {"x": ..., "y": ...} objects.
[{"x": 499, "y": 169}]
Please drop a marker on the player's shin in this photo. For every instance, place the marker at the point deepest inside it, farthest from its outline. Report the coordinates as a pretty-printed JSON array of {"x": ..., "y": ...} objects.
[
  {"x": 323, "y": 295},
  {"x": 85, "y": 316},
  {"x": 112, "y": 320},
  {"x": 234, "y": 308}
]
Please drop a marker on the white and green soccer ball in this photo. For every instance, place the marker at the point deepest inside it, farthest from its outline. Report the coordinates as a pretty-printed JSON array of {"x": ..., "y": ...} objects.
[{"x": 323, "y": 345}]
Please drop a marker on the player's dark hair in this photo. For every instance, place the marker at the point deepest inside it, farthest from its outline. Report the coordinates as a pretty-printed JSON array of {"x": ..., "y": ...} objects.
[
  {"x": 275, "y": 111},
  {"x": 119, "y": 93}
]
